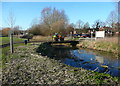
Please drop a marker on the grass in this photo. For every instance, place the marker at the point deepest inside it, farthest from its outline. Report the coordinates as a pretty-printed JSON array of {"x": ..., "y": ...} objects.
[
  {"x": 6, "y": 40},
  {"x": 6, "y": 55},
  {"x": 103, "y": 46},
  {"x": 106, "y": 44},
  {"x": 109, "y": 39},
  {"x": 97, "y": 78},
  {"x": 101, "y": 78}
]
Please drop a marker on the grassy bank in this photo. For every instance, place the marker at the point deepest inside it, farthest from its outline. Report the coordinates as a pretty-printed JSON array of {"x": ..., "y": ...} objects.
[
  {"x": 26, "y": 66},
  {"x": 6, "y": 56},
  {"x": 107, "y": 44},
  {"x": 6, "y": 40}
]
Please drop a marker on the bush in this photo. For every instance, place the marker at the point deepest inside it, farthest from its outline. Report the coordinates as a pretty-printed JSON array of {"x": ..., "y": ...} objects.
[{"x": 28, "y": 36}]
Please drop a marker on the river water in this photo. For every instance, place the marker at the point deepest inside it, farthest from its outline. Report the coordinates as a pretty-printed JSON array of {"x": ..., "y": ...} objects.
[
  {"x": 93, "y": 60},
  {"x": 98, "y": 61}
]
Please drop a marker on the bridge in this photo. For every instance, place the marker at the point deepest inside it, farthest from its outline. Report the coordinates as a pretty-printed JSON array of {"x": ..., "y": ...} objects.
[{"x": 73, "y": 43}]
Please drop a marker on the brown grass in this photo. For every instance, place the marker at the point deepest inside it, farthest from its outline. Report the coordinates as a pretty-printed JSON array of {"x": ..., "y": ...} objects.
[
  {"x": 110, "y": 39},
  {"x": 42, "y": 38}
]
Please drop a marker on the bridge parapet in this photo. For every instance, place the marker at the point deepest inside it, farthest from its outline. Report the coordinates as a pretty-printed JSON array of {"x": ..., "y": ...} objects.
[{"x": 73, "y": 43}]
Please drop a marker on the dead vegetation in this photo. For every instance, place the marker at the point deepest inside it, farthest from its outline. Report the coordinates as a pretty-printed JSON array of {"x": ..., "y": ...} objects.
[
  {"x": 42, "y": 38},
  {"x": 108, "y": 39}
]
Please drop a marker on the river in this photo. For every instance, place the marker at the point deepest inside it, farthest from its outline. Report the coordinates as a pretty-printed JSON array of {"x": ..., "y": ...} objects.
[{"x": 93, "y": 60}]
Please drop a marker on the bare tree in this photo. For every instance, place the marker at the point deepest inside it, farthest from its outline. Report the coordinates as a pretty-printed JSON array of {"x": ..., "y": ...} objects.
[
  {"x": 98, "y": 24},
  {"x": 86, "y": 25},
  {"x": 73, "y": 25},
  {"x": 112, "y": 19},
  {"x": 70, "y": 29},
  {"x": 52, "y": 18},
  {"x": 118, "y": 10},
  {"x": 35, "y": 21},
  {"x": 80, "y": 24},
  {"x": 11, "y": 23},
  {"x": 11, "y": 20},
  {"x": 35, "y": 30},
  {"x": 16, "y": 30}
]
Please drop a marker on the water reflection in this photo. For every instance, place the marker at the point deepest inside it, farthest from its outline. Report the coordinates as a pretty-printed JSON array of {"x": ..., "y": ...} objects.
[
  {"x": 99, "y": 59},
  {"x": 88, "y": 59},
  {"x": 91, "y": 60}
]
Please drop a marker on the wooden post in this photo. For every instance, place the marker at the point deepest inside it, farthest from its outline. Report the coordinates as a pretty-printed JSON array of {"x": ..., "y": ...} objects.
[{"x": 11, "y": 42}]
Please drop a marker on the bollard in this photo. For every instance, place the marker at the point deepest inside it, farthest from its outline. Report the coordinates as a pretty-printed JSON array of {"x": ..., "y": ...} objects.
[{"x": 25, "y": 42}]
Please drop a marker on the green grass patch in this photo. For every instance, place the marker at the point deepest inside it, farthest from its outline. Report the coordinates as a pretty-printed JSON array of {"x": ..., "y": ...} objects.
[
  {"x": 102, "y": 78},
  {"x": 6, "y": 40},
  {"x": 6, "y": 55}
]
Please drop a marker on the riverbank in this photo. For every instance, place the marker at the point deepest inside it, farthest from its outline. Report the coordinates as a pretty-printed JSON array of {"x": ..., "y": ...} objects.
[
  {"x": 26, "y": 66},
  {"x": 108, "y": 45}
]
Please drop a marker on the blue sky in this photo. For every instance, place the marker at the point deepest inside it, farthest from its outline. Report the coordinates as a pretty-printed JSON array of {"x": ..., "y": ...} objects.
[{"x": 26, "y": 12}]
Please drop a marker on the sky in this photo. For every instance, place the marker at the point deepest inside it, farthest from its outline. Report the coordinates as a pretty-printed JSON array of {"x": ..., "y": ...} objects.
[
  {"x": 26, "y": 13},
  {"x": 60, "y": 0}
]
